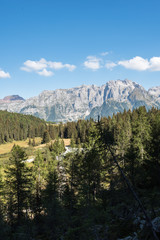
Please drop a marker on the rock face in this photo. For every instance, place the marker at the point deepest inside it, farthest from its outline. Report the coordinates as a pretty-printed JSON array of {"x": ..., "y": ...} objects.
[
  {"x": 85, "y": 101},
  {"x": 155, "y": 91}
]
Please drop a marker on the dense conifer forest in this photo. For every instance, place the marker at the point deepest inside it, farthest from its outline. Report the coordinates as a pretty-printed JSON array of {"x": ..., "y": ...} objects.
[
  {"x": 15, "y": 126},
  {"x": 82, "y": 194}
]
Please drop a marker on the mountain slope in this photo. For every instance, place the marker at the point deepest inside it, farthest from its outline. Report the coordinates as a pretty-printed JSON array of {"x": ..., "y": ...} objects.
[
  {"x": 15, "y": 126},
  {"x": 155, "y": 91},
  {"x": 72, "y": 104}
]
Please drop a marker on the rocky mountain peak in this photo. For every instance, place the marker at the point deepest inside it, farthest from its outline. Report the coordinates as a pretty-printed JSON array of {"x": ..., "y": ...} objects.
[
  {"x": 119, "y": 90},
  {"x": 63, "y": 105}
]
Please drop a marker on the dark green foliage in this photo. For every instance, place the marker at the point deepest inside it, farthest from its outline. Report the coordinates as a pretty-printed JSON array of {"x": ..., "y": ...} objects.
[
  {"x": 15, "y": 126},
  {"x": 57, "y": 147},
  {"x": 18, "y": 185},
  {"x": 46, "y": 137},
  {"x": 82, "y": 195},
  {"x": 32, "y": 142},
  {"x": 78, "y": 131}
]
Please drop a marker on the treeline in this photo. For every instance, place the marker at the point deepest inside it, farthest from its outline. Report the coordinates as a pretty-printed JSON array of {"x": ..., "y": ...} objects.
[
  {"x": 78, "y": 131},
  {"x": 15, "y": 126},
  {"x": 83, "y": 195}
]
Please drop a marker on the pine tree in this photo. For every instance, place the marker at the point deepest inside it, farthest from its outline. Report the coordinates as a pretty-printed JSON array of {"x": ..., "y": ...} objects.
[
  {"x": 141, "y": 133},
  {"x": 18, "y": 180},
  {"x": 3, "y": 227},
  {"x": 57, "y": 147},
  {"x": 72, "y": 142},
  {"x": 39, "y": 170},
  {"x": 51, "y": 190},
  {"x": 46, "y": 137}
]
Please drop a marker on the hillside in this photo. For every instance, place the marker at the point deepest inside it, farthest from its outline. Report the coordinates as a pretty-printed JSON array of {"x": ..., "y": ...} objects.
[
  {"x": 107, "y": 187},
  {"x": 15, "y": 126}
]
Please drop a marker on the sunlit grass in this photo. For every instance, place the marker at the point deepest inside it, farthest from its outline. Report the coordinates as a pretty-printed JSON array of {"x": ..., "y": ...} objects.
[{"x": 7, "y": 147}]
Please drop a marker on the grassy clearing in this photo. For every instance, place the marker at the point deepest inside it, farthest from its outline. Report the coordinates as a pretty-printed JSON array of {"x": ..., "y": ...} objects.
[
  {"x": 6, "y": 148},
  {"x": 5, "y": 151},
  {"x": 66, "y": 142}
]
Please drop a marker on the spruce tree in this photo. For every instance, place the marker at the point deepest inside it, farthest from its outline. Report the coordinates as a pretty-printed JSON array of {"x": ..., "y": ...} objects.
[
  {"x": 46, "y": 137},
  {"x": 18, "y": 180},
  {"x": 39, "y": 170}
]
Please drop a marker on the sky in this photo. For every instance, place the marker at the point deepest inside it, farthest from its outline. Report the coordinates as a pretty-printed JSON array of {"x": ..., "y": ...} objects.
[{"x": 52, "y": 44}]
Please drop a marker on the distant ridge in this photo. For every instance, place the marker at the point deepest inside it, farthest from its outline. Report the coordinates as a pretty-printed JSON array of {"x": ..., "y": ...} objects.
[
  {"x": 12, "y": 98},
  {"x": 84, "y": 102}
]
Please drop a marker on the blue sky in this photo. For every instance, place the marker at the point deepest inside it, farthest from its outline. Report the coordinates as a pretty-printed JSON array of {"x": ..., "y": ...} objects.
[{"x": 50, "y": 44}]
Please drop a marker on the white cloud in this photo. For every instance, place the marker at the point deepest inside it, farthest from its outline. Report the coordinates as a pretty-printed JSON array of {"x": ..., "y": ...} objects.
[
  {"x": 4, "y": 74},
  {"x": 46, "y": 73},
  {"x": 55, "y": 65},
  {"x": 141, "y": 64},
  {"x": 136, "y": 63},
  {"x": 155, "y": 63},
  {"x": 60, "y": 65},
  {"x": 93, "y": 63},
  {"x": 110, "y": 65},
  {"x": 30, "y": 66},
  {"x": 70, "y": 67},
  {"x": 41, "y": 67},
  {"x": 104, "y": 53}
]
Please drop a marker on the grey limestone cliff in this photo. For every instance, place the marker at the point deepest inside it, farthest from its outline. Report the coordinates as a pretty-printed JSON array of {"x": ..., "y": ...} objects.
[{"x": 63, "y": 105}]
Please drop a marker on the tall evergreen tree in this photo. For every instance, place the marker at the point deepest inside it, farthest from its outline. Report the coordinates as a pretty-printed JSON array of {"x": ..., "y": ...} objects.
[
  {"x": 39, "y": 176},
  {"x": 46, "y": 137},
  {"x": 18, "y": 180}
]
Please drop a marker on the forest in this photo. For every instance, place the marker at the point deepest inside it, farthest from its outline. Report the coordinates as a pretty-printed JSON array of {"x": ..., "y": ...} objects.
[
  {"x": 107, "y": 188},
  {"x": 15, "y": 126}
]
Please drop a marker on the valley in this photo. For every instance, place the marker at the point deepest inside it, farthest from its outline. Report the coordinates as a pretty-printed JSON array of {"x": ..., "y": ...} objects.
[{"x": 58, "y": 187}]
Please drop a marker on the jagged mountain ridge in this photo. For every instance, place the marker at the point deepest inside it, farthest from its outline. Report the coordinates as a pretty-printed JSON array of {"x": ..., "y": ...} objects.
[{"x": 63, "y": 105}]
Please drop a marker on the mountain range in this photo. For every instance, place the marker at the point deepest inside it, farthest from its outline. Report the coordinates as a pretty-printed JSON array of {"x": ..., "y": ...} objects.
[{"x": 84, "y": 102}]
